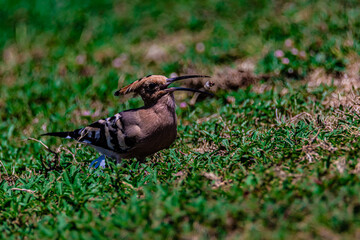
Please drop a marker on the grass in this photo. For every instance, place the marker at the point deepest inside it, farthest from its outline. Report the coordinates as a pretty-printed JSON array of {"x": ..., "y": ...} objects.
[{"x": 271, "y": 160}]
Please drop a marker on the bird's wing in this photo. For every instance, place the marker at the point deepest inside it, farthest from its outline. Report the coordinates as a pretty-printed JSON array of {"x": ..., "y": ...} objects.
[
  {"x": 108, "y": 134},
  {"x": 120, "y": 134}
]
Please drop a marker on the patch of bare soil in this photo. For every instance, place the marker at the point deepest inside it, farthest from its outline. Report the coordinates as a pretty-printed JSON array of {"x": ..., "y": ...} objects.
[{"x": 228, "y": 78}]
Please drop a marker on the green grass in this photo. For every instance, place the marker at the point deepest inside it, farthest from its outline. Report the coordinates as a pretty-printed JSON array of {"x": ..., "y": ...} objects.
[{"x": 275, "y": 160}]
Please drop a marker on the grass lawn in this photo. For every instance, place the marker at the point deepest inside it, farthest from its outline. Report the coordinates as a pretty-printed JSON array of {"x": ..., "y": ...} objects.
[{"x": 274, "y": 155}]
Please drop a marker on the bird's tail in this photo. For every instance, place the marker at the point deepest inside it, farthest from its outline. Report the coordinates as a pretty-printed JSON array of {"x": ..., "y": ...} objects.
[{"x": 68, "y": 135}]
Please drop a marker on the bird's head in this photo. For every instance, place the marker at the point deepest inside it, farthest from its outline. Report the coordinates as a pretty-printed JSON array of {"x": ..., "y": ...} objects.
[{"x": 153, "y": 87}]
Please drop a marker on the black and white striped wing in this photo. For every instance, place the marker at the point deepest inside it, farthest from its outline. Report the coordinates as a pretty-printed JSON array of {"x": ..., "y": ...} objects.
[{"x": 107, "y": 134}]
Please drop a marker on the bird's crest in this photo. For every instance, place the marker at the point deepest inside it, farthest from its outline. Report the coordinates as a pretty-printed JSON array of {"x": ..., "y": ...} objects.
[{"x": 133, "y": 87}]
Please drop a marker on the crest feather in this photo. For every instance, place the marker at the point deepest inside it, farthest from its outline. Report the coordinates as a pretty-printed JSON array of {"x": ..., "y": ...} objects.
[{"x": 138, "y": 83}]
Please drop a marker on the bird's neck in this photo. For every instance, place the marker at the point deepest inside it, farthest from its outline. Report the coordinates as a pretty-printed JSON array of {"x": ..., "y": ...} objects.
[{"x": 166, "y": 100}]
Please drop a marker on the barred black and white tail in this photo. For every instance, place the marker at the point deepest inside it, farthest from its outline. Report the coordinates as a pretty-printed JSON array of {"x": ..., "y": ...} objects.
[{"x": 105, "y": 135}]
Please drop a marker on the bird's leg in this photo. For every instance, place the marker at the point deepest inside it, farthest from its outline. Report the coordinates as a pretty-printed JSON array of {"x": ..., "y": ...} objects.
[
  {"x": 100, "y": 161},
  {"x": 118, "y": 160}
]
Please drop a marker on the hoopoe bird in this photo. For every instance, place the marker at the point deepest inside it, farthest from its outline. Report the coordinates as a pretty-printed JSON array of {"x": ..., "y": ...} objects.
[{"x": 135, "y": 133}]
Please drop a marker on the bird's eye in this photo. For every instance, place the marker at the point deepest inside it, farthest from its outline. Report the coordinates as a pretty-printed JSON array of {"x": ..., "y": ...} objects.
[{"x": 152, "y": 85}]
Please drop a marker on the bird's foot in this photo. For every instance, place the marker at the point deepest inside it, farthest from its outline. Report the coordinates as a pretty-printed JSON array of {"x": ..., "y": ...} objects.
[{"x": 100, "y": 161}]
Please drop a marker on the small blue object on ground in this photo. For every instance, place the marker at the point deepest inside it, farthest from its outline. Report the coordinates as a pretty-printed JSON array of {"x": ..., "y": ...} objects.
[{"x": 100, "y": 161}]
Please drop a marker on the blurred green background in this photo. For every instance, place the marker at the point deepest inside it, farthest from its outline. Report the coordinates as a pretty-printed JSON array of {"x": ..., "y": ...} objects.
[{"x": 61, "y": 62}]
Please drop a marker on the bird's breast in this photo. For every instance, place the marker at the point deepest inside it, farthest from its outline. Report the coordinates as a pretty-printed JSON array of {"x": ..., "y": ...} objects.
[
  {"x": 151, "y": 129},
  {"x": 162, "y": 134}
]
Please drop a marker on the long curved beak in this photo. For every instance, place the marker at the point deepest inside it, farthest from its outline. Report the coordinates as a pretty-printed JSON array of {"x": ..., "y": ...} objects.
[{"x": 173, "y": 89}]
